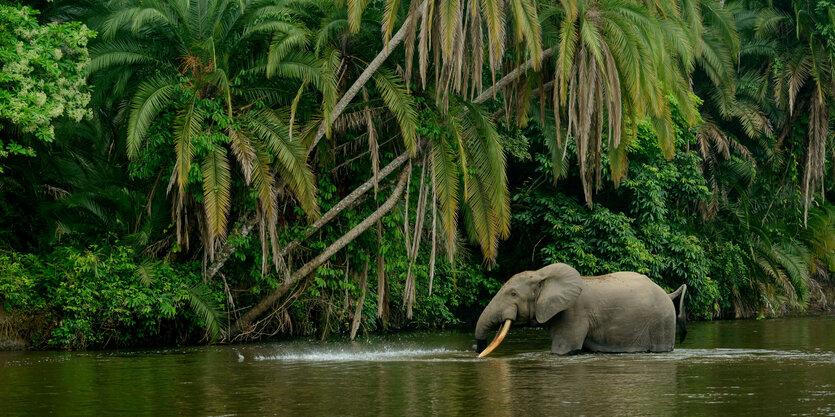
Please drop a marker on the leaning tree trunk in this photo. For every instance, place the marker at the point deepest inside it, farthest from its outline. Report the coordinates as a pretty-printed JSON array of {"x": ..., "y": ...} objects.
[
  {"x": 369, "y": 71},
  {"x": 250, "y": 220},
  {"x": 346, "y": 202},
  {"x": 511, "y": 76},
  {"x": 311, "y": 266}
]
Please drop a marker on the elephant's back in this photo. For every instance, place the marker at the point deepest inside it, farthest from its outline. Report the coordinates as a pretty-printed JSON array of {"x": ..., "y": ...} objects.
[
  {"x": 630, "y": 307},
  {"x": 623, "y": 280},
  {"x": 629, "y": 288}
]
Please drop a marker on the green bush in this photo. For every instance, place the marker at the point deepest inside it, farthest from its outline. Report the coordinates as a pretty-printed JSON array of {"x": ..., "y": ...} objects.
[
  {"x": 103, "y": 297},
  {"x": 42, "y": 77}
]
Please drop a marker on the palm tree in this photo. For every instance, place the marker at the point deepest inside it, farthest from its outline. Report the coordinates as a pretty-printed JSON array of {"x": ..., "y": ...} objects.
[
  {"x": 735, "y": 110},
  {"x": 614, "y": 65},
  {"x": 803, "y": 76},
  {"x": 778, "y": 256},
  {"x": 229, "y": 71}
]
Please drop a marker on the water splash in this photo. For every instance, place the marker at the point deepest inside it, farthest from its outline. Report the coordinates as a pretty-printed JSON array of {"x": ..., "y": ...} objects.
[{"x": 387, "y": 354}]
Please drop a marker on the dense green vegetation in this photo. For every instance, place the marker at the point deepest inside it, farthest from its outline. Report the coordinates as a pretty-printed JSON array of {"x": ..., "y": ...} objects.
[{"x": 174, "y": 171}]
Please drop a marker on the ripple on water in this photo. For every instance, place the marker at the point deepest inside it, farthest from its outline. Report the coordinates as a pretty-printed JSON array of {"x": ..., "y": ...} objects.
[{"x": 725, "y": 354}]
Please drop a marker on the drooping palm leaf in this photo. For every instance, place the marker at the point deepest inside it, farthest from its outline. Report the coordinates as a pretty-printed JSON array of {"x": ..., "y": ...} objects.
[
  {"x": 151, "y": 97},
  {"x": 401, "y": 104},
  {"x": 291, "y": 157},
  {"x": 207, "y": 309},
  {"x": 186, "y": 126},
  {"x": 217, "y": 190}
]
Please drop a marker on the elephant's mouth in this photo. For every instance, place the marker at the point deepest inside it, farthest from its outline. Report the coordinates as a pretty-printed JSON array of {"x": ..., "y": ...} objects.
[{"x": 500, "y": 334}]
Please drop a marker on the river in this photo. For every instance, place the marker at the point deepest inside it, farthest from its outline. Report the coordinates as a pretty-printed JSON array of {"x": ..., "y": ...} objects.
[{"x": 767, "y": 367}]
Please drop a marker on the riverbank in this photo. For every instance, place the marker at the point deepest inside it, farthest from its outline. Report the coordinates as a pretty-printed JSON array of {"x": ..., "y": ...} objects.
[{"x": 15, "y": 330}]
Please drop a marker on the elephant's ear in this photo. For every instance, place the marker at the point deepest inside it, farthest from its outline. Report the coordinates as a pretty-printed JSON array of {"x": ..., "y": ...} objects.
[{"x": 560, "y": 287}]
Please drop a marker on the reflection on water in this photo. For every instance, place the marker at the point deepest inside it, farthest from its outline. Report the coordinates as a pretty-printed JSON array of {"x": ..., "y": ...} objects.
[{"x": 772, "y": 367}]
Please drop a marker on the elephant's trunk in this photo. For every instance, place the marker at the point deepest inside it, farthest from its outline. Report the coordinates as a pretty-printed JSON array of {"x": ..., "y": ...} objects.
[{"x": 490, "y": 318}]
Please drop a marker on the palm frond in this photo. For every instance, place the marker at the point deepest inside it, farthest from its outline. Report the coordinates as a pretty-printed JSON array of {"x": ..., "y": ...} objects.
[
  {"x": 122, "y": 53},
  {"x": 217, "y": 198},
  {"x": 401, "y": 104},
  {"x": 528, "y": 28},
  {"x": 389, "y": 16},
  {"x": 151, "y": 97},
  {"x": 446, "y": 180},
  {"x": 357, "y": 7},
  {"x": 208, "y": 310},
  {"x": 146, "y": 272},
  {"x": 291, "y": 157},
  {"x": 187, "y": 125},
  {"x": 487, "y": 160}
]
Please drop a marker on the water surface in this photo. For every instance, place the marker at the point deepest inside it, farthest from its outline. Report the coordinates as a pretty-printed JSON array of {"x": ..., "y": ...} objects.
[{"x": 768, "y": 367}]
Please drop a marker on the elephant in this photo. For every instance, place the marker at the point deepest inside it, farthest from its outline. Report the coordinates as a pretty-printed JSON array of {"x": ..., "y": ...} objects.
[{"x": 621, "y": 312}]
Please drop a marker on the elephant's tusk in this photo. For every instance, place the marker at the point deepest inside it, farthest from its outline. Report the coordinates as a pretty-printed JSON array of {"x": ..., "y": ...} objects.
[{"x": 497, "y": 340}]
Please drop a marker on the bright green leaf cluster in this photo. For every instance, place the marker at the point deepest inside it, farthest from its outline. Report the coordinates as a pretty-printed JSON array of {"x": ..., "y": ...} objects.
[{"x": 43, "y": 75}]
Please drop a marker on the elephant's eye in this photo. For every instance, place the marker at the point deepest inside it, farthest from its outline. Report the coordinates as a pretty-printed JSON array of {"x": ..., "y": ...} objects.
[{"x": 513, "y": 293}]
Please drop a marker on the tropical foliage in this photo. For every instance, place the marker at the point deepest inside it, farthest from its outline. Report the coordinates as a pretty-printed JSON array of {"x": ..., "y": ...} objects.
[
  {"x": 206, "y": 75},
  {"x": 227, "y": 170},
  {"x": 42, "y": 77}
]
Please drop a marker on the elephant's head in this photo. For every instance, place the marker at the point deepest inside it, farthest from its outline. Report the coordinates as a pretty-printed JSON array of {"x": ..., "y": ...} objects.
[{"x": 527, "y": 295}]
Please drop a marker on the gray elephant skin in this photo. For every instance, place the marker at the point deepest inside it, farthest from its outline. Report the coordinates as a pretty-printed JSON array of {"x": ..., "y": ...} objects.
[{"x": 617, "y": 312}]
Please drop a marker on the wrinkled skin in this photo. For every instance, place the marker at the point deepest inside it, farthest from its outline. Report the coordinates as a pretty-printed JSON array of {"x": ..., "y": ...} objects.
[{"x": 618, "y": 312}]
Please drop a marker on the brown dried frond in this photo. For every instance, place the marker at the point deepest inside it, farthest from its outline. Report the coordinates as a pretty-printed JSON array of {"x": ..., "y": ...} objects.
[
  {"x": 815, "y": 167},
  {"x": 373, "y": 146},
  {"x": 243, "y": 151},
  {"x": 55, "y": 192}
]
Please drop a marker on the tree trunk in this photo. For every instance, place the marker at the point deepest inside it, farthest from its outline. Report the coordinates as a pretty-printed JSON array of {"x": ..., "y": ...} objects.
[
  {"x": 346, "y": 202},
  {"x": 229, "y": 248},
  {"x": 316, "y": 262},
  {"x": 372, "y": 67}
]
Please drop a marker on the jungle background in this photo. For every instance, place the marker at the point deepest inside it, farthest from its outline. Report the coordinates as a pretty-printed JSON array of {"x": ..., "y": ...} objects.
[{"x": 192, "y": 171}]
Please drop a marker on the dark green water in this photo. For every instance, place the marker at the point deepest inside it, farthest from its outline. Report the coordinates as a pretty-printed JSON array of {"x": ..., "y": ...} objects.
[{"x": 769, "y": 367}]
